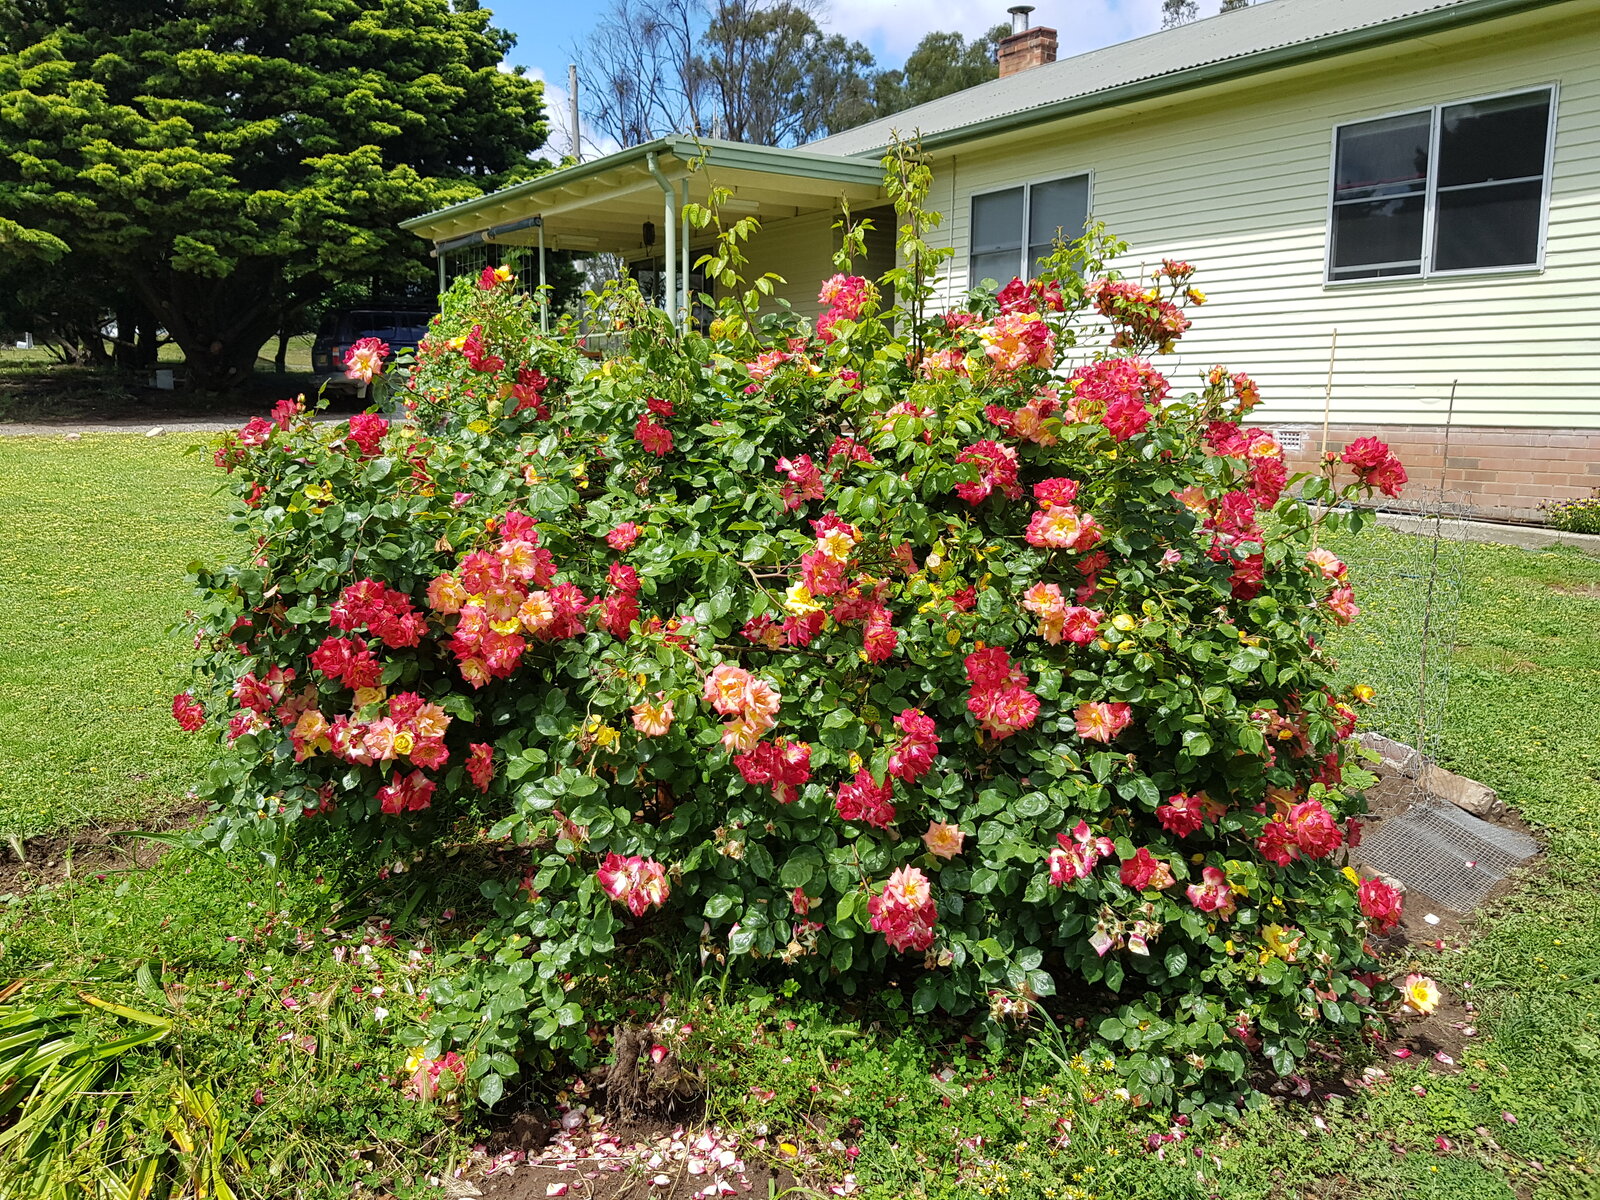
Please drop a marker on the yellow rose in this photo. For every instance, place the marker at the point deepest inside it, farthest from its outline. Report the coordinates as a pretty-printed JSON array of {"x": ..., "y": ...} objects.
[{"x": 798, "y": 600}]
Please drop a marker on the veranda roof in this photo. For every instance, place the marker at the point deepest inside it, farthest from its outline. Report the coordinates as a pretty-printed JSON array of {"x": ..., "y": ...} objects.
[{"x": 602, "y": 205}]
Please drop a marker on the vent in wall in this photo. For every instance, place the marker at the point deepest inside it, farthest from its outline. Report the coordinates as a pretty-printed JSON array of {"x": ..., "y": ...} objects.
[{"x": 1292, "y": 440}]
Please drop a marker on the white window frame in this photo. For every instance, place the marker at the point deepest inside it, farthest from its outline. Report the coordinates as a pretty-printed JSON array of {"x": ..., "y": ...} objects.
[
  {"x": 1425, "y": 270},
  {"x": 1027, "y": 186}
]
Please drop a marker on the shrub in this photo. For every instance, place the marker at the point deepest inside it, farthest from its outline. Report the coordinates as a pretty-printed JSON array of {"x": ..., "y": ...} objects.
[
  {"x": 1574, "y": 516},
  {"x": 908, "y": 648}
]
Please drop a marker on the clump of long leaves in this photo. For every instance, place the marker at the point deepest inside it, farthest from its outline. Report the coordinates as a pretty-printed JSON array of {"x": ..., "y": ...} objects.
[{"x": 90, "y": 1107}]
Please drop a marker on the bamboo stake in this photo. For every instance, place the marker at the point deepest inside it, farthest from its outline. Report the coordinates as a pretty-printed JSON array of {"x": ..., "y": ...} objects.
[{"x": 1327, "y": 391}]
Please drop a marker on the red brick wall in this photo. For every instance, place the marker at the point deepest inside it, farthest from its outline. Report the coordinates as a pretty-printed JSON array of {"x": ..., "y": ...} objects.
[
  {"x": 1026, "y": 50},
  {"x": 1498, "y": 473}
]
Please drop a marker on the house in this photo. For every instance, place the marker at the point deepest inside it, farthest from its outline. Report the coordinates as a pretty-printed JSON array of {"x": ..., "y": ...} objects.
[{"x": 1394, "y": 206}]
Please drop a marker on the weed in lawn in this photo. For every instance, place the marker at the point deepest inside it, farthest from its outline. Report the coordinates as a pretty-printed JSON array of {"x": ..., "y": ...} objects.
[{"x": 95, "y": 536}]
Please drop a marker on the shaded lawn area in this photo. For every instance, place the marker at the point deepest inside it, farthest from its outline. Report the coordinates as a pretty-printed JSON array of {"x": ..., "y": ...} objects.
[
  {"x": 95, "y": 539},
  {"x": 35, "y": 388}
]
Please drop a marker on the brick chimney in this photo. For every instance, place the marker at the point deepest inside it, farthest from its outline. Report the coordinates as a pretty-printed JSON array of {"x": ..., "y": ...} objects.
[{"x": 1026, "y": 47}]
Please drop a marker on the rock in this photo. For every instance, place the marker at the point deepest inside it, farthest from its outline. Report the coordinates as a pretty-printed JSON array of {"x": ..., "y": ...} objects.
[
  {"x": 1479, "y": 799},
  {"x": 1397, "y": 756},
  {"x": 156, "y": 432},
  {"x": 74, "y": 437}
]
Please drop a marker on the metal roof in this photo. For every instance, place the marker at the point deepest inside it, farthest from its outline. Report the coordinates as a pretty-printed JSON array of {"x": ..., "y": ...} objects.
[
  {"x": 1267, "y": 34},
  {"x": 772, "y": 175}
]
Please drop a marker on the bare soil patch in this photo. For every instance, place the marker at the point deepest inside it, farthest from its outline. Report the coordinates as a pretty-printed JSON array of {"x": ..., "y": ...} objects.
[
  {"x": 54, "y": 859},
  {"x": 1392, "y": 795},
  {"x": 1583, "y": 591},
  {"x": 532, "y": 1157}
]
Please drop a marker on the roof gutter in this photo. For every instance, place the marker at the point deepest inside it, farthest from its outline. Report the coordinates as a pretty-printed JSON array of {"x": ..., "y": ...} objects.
[
  {"x": 493, "y": 233},
  {"x": 1417, "y": 25}
]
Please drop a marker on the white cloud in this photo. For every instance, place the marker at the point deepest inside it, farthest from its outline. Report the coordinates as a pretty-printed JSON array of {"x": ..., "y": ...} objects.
[
  {"x": 896, "y": 26},
  {"x": 558, "y": 115}
]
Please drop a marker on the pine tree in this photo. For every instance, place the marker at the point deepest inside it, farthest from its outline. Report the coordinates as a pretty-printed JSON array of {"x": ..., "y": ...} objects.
[{"x": 219, "y": 165}]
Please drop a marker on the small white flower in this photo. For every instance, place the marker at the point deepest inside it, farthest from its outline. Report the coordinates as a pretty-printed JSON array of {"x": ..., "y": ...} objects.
[{"x": 379, "y": 1013}]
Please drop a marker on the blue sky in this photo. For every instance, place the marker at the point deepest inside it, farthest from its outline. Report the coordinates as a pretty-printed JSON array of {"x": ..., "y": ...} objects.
[{"x": 547, "y": 30}]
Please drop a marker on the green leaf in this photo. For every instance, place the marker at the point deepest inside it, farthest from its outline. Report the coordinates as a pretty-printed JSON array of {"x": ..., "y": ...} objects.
[
  {"x": 801, "y": 867},
  {"x": 1113, "y": 975},
  {"x": 490, "y": 1089}
]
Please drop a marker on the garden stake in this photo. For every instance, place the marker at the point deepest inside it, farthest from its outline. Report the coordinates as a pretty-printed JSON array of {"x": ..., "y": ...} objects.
[{"x": 1327, "y": 391}]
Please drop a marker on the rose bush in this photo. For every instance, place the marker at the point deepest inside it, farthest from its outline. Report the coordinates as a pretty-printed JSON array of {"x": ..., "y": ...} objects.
[{"x": 934, "y": 650}]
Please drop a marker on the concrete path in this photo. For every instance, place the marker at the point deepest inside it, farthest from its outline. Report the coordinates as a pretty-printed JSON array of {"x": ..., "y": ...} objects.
[
  {"x": 141, "y": 425},
  {"x": 145, "y": 426},
  {"x": 1528, "y": 537}
]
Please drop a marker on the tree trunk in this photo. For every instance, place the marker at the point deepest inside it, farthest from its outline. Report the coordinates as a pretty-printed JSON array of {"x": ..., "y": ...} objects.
[
  {"x": 219, "y": 324},
  {"x": 92, "y": 347},
  {"x": 147, "y": 350},
  {"x": 125, "y": 348},
  {"x": 138, "y": 338},
  {"x": 220, "y": 366},
  {"x": 281, "y": 359}
]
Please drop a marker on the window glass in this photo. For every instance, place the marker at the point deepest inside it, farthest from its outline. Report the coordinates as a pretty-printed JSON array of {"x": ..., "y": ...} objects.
[
  {"x": 1492, "y": 140},
  {"x": 1378, "y": 237},
  {"x": 1380, "y": 185},
  {"x": 996, "y": 236},
  {"x": 1491, "y": 182},
  {"x": 1383, "y": 158},
  {"x": 1484, "y": 204},
  {"x": 1062, "y": 204},
  {"x": 1488, "y": 226},
  {"x": 998, "y": 220}
]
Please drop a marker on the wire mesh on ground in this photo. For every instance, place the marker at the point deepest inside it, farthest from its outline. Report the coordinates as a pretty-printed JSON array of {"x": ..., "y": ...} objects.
[{"x": 1454, "y": 857}]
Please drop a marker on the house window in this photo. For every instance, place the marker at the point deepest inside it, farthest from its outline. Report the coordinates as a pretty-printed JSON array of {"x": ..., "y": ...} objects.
[
  {"x": 1459, "y": 187},
  {"x": 1014, "y": 229}
]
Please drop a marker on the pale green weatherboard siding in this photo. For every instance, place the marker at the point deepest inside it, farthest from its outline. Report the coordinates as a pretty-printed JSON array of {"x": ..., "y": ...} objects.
[
  {"x": 801, "y": 250},
  {"x": 1237, "y": 183}
]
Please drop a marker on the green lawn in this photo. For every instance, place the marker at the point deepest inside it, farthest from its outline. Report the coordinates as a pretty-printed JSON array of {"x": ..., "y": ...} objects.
[{"x": 95, "y": 538}]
